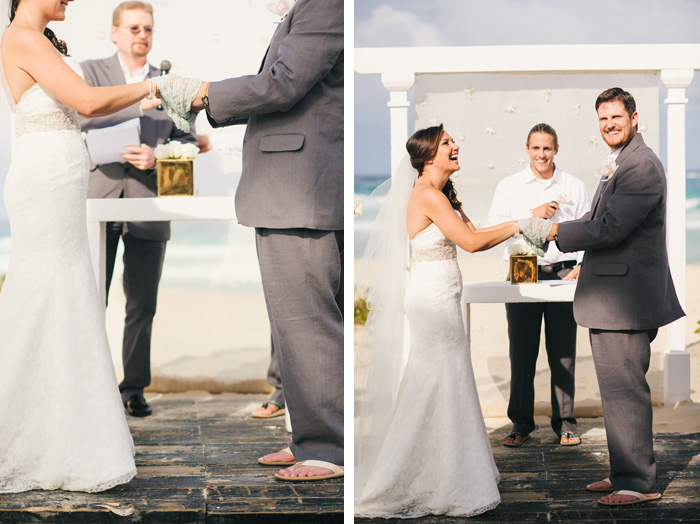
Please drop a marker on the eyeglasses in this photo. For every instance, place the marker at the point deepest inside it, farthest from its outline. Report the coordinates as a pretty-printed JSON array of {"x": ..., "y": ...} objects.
[{"x": 136, "y": 29}]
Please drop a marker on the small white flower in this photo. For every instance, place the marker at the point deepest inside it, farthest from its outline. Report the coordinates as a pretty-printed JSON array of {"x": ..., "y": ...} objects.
[
  {"x": 423, "y": 103},
  {"x": 642, "y": 128},
  {"x": 577, "y": 107},
  {"x": 469, "y": 91},
  {"x": 520, "y": 247},
  {"x": 608, "y": 169},
  {"x": 522, "y": 162},
  {"x": 281, "y": 7},
  {"x": 176, "y": 150},
  {"x": 460, "y": 136},
  {"x": 510, "y": 109},
  {"x": 546, "y": 93},
  {"x": 489, "y": 131},
  {"x": 433, "y": 122},
  {"x": 357, "y": 211},
  {"x": 593, "y": 140},
  {"x": 491, "y": 166}
]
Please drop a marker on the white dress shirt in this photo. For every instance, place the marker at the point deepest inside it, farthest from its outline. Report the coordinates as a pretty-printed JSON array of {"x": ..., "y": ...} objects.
[
  {"x": 138, "y": 76},
  {"x": 517, "y": 195}
]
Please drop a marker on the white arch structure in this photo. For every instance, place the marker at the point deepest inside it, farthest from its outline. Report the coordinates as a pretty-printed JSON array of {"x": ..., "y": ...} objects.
[{"x": 674, "y": 63}]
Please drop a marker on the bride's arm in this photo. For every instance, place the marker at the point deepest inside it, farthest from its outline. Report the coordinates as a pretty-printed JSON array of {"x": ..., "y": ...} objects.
[
  {"x": 31, "y": 52},
  {"x": 438, "y": 209}
]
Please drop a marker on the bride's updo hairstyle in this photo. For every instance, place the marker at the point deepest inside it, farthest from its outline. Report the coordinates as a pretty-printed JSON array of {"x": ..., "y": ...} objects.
[
  {"x": 422, "y": 147},
  {"x": 58, "y": 44}
]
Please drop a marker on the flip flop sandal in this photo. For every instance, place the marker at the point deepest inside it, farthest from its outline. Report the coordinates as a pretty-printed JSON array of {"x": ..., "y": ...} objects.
[
  {"x": 281, "y": 411},
  {"x": 639, "y": 496},
  {"x": 600, "y": 490},
  {"x": 514, "y": 434},
  {"x": 268, "y": 463},
  {"x": 570, "y": 434},
  {"x": 337, "y": 472}
]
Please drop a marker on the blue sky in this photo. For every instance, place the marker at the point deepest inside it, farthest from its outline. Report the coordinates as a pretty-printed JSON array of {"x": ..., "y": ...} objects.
[{"x": 406, "y": 23}]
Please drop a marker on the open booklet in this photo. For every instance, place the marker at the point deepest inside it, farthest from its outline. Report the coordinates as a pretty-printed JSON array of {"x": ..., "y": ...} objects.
[{"x": 106, "y": 144}]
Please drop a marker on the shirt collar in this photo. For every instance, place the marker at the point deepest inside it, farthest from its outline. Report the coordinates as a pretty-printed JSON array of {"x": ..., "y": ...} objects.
[
  {"x": 530, "y": 178},
  {"x": 138, "y": 76}
]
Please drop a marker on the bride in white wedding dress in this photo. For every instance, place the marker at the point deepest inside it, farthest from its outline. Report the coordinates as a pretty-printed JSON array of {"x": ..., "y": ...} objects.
[
  {"x": 421, "y": 445},
  {"x": 62, "y": 425}
]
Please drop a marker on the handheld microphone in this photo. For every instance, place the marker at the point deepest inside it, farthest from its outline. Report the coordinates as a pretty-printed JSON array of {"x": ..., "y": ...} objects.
[{"x": 165, "y": 66}]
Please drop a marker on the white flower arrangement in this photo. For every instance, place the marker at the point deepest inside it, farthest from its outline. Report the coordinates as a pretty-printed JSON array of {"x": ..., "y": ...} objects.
[
  {"x": 281, "y": 7},
  {"x": 608, "y": 169},
  {"x": 520, "y": 247},
  {"x": 357, "y": 211},
  {"x": 176, "y": 151}
]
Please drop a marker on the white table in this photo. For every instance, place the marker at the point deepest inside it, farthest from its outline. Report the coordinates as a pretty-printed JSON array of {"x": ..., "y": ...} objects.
[
  {"x": 505, "y": 292},
  {"x": 103, "y": 210}
]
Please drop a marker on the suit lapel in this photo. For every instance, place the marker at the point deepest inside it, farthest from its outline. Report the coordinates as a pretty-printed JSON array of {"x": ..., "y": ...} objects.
[
  {"x": 629, "y": 148},
  {"x": 114, "y": 71}
]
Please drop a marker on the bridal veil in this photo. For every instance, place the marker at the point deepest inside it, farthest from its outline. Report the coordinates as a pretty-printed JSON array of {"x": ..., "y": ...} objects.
[{"x": 382, "y": 281}]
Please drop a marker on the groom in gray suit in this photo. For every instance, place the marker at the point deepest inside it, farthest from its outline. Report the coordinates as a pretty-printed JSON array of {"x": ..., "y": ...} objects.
[
  {"x": 144, "y": 242},
  {"x": 625, "y": 293},
  {"x": 291, "y": 192}
]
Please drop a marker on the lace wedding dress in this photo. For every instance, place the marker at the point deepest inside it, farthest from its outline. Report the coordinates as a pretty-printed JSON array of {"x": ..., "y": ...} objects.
[
  {"x": 436, "y": 458},
  {"x": 62, "y": 425}
]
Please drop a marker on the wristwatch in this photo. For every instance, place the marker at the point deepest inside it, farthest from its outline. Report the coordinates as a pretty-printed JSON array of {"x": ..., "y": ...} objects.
[{"x": 205, "y": 96}]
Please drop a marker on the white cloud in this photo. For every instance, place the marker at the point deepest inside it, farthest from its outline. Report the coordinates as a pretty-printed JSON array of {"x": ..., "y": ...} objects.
[{"x": 391, "y": 27}]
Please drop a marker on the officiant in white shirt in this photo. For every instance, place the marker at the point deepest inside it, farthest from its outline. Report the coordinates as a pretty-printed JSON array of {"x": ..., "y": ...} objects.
[
  {"x": 144, "y": 242},
  {"x": 542, "y": 190}
]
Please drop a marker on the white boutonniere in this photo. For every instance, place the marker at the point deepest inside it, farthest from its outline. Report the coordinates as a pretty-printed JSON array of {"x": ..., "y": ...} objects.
[
  {"x": 281, "y": 7},
  {"x": 608, "y": 169}
]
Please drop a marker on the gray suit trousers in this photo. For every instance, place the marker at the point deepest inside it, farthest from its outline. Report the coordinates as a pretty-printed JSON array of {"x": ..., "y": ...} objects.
[
  {"x": 621, "y": 361},
  {"x": 273, "y": 375},
  {"x": 302, "y": 276}
]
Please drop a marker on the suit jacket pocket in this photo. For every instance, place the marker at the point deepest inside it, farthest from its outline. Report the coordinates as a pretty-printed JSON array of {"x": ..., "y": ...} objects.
[
  {"x": 616, "y": 269},
  {"x": 276, "y": 143}
]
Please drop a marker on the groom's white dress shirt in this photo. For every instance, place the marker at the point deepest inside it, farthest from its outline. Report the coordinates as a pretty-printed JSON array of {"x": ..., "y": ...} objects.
[{"x": 517, "y": 195}]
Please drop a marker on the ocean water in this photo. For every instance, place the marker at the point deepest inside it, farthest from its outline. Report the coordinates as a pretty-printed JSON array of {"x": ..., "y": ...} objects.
[
  {"x": 365, "y": 184},
  {"x": 200, "y": 255}
]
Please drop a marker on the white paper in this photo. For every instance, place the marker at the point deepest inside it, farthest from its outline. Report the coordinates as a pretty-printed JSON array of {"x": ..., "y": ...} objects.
[{"x": 106, "y": 144}]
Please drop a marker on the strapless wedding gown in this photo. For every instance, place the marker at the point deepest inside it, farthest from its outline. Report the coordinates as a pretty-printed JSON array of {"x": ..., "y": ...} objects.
[
  {"x": 436, "y": 458},
  {"x": 62, "y": 425}
]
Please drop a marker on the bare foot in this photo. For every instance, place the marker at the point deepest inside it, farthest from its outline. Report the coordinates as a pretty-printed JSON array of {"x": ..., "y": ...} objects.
[
  {"x": 271, "y": 409},
  {"x": 601, "y": 485},
  {"x": 280, "y": 456},
  {"x": 616, "y": 498},
  {"x": 569, "y": 439},
  {"x": 306, "y": 471}
]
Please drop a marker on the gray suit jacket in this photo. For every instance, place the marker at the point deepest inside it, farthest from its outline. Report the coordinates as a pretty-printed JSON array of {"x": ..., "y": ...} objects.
[
  {"x": 124, "y": 180},
  {"x": 625, "y": 282},
  {"x": 293, "y": 147}
]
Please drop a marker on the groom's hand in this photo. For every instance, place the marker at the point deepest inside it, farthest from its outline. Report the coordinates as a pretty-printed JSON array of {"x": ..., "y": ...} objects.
[{"x": 198, "y": 103}]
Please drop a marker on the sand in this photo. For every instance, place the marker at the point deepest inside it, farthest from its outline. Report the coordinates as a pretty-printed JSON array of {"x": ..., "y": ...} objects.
[
  {"x": 209, "y": 340},
  {"x": 489, "y": 352}
]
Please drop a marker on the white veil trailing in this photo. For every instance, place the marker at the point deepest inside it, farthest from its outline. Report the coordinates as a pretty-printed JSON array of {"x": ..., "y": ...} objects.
[
  {"x": 379, "y": 359},
  {"x": 5, "y": 100}
]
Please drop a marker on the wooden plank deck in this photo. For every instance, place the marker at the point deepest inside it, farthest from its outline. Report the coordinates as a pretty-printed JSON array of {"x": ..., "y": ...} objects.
[
  {"x": 543, "y": 482},
  {"x": 197, "y": 463}
]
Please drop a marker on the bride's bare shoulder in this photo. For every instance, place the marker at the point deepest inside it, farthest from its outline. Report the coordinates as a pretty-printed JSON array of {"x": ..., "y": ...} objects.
[{"x": 22, "y": 40}]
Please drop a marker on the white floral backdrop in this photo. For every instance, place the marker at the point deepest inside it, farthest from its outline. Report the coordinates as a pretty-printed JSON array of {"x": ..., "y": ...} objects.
[{"x": 490, "y": 115}]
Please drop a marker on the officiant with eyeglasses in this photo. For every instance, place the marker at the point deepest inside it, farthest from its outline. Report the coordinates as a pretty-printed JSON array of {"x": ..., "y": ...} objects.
[
  {"x": 135, "y": 176},
  {"x": 542, "y": 190}
]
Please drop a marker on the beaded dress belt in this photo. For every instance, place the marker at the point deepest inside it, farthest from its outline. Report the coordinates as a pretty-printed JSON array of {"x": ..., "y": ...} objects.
[{"x": 553, "y": 268}]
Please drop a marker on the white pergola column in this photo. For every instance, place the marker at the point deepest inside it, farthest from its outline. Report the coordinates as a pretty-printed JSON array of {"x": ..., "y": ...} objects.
[
  {"x": 398, "y": 85},
  {"x": 676, "y": 358}
]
